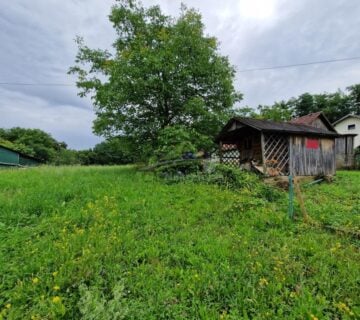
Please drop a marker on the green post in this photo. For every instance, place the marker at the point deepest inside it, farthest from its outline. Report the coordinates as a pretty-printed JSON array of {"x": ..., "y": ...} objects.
[{"x": 291, "y": 197}]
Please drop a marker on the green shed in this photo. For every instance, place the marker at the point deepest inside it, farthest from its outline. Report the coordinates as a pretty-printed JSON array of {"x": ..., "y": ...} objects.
[{"x": 13, "y": 158}]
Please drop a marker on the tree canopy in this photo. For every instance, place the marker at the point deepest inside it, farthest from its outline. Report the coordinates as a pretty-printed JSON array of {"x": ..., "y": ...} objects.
[
  {"x": 34, "y": 142},
  {"x": 334, "y": 105},
  {"x": 162, "y": 71}
]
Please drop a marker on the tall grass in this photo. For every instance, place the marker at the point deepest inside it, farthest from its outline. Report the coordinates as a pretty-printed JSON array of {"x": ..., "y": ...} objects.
[{"x": 113, "y": 243}]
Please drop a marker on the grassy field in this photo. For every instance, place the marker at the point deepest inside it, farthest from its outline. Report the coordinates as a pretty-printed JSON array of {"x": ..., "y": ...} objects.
[{"x": 113, "y": 243}]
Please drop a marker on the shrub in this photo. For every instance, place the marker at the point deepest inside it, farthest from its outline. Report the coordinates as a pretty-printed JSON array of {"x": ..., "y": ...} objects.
[
  {"x": 173, "y": 142},
  {"x": 221, "y": 175}
]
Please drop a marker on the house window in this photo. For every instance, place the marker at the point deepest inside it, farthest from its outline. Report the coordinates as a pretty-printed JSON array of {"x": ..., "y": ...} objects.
[{"x": 351, "y": 127}]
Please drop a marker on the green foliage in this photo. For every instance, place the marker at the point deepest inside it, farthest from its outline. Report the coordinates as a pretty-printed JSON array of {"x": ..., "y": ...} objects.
[
  {"x": 245, "y": 112},
  {"x": 354, "y": 94},
  {"x": 94, "y": 306},
  {"x": 164, "y": 72},
  {"x": 34, "y": 142},
  {"x": 66, "y": 157},
  {"x": 175, "y": 171},
  {"x": 279, "y": 111},
  {"x": 338, "y": 203},
  {"x": 334, "y": 105},
  {"x": 173, "y": 142},
  {"x": 17, "y": 147},
  {"x": 81, "y": 241},
  {"x": 227, "y": 177},
  {"x": 116, "y": 150}
]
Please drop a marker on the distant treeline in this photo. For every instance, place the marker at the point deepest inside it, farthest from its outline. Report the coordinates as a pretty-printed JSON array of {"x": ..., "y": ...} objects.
[
  {"x": 334, "y": 105},
  {"x": 43, "y": 146}
]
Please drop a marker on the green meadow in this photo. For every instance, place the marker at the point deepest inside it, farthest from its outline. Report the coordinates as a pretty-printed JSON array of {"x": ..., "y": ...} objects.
[{"x": 116, "y": 243}]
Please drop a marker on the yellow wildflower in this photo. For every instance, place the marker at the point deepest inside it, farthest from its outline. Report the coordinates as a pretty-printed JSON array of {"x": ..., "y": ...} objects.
[
  {"x": 336, "y": 247},
  {"x": 343, "y": 307},
  {"x": 8, "y": 306},
  {"x": 56, "y": 288},
  {"x": 313, "y": 317},
  {"x": 55, "y": 273},
  {"x": 263, "y": 282},
  {"x": 56, "y": 299},
  {"x": 35, "y": 280}
]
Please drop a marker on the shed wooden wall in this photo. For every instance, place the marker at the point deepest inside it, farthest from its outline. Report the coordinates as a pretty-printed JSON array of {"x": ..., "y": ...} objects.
[
  {"x": 306, "y": 161},
  {"x": 254, "y": 153},
  {"x": 344, "y": 148},
  {"x": 318, "y": 123},
  {"x": 8, "y": 157}
]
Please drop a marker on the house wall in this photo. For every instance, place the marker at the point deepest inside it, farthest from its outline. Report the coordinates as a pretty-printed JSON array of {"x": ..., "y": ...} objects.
[
  {"x": 342, "y": 127},
  {"x": 8, "y": 157},
  {"x": 307, "y": 160}
]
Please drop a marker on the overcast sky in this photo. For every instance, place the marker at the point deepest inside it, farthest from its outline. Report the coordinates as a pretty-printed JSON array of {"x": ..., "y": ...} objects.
[{"x": 37, "y": 47}]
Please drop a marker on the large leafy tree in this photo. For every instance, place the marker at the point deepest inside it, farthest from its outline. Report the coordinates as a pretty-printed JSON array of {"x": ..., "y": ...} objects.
[{"x": 162, "y": 71}]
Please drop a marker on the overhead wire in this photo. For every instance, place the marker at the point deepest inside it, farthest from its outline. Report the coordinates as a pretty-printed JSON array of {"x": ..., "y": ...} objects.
[{"x": 238, "y": 71}]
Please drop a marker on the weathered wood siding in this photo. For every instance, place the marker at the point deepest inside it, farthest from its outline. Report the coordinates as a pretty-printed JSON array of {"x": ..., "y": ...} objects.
[
  {"x": 252, "y": 153},
  {"x": 344, "y": 148},
  {"x": 318, "y": 123},
  {"x": 307, "y": 161}
]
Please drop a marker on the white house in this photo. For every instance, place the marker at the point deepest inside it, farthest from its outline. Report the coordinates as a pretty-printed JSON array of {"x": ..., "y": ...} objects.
[{"x": 349, "y": 124}]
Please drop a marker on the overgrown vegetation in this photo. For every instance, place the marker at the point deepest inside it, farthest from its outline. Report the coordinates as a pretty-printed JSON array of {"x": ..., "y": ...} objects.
[{"x": 114, "y": 243}]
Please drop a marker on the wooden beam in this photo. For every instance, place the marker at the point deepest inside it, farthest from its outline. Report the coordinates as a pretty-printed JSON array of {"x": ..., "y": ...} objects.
[
  {"x": 263, "y": 152},
  {"x": 291, "y": 168}
]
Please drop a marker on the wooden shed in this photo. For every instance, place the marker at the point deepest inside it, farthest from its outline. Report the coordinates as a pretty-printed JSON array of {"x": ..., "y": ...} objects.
[
  {"x": 13, "y": 158},
  {"x": 278, "y": 148},
  {"x": 344, "y": 143}
]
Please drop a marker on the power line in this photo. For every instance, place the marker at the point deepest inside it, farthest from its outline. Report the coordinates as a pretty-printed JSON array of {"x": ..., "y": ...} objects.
[
  {"x": 239, "y": 71},
  {"x": 299, "y": 64},
  {"x": 36, "y": 84}
]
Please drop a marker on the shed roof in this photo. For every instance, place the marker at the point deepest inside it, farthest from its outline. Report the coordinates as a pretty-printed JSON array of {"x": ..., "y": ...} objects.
[
  {"x": 279, "y": 127},
  {"x": 307, "y": 119},
  {"x": 20, "y": 153},
  {"x": 311, "y": 117}
]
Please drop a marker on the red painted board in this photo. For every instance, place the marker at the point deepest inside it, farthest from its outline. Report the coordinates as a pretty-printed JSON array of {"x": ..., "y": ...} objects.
[{"x": 312, "y": 143}]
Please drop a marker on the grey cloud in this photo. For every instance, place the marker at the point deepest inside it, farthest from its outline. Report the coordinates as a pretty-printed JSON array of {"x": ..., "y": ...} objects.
[{"x": 37, "y": 46}]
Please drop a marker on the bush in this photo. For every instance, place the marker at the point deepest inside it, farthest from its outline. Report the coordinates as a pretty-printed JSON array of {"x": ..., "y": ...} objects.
[
  {"x": 221, "y": 175},
  {"x": 178, "y": 169},
  {"x": 173, "y": 142}
]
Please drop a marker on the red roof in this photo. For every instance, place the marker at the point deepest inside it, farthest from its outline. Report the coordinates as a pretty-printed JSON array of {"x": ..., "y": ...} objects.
[
  {"x": 308, "y": 119},
  {"x": 311, "y": 117}
]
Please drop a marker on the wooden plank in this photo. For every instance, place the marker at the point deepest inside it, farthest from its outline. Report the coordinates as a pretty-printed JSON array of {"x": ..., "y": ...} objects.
[
  {"x": 291, "y": 166},
  {"x": 263, "y": 152}
]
